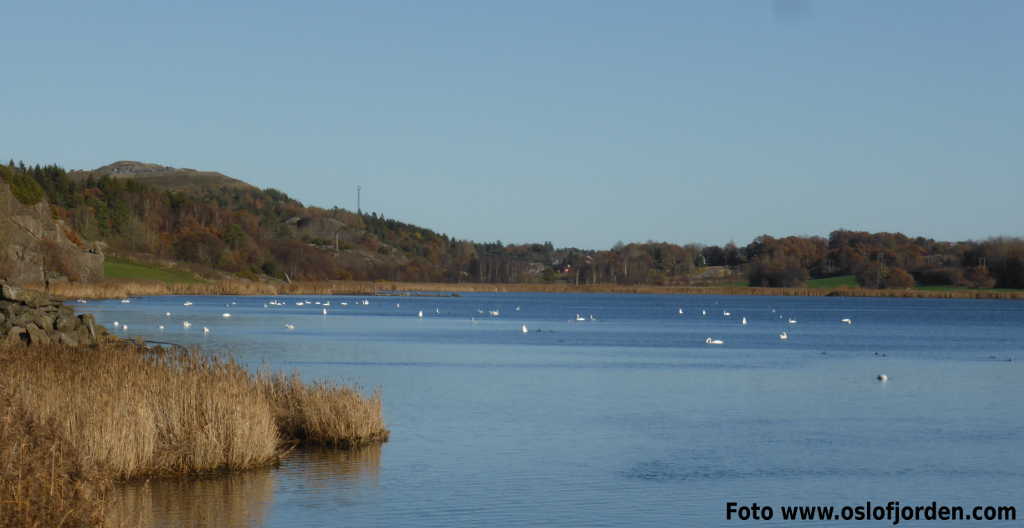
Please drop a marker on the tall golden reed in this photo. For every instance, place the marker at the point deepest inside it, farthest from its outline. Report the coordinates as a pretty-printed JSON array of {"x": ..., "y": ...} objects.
[{"x": 77, "y": 419}]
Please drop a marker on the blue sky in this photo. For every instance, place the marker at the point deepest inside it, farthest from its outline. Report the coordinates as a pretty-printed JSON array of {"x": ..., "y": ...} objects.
[{"x": 579, "y": 123}]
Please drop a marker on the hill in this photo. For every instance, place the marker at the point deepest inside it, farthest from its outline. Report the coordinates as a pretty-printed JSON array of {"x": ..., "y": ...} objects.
[{"x": 161, "y": 177}]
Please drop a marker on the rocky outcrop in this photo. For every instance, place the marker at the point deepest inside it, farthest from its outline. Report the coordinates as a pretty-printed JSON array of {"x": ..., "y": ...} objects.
[
  {"x": 36, "y": 248},
  {"x": 29, "y": 317}
]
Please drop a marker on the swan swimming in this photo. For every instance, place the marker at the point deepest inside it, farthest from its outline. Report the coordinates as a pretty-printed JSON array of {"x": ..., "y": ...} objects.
[
  {"x": 727, "y": 314},
  {"x": 712, "y": 341},
  {"x": 784, "y": 336},
  {"x": 580, "y": 317},
  {"x": 186, "y": 324},
  {"x": 744, "y": 321},
  {"x": 206, "y": 331},
  {"x": 792, "y": 321},
  {"x": 225, "y": 315},
  {"x": 420, "y": 315},
  {"x": 525, "y": 330},
  {"x": 846, "y": 320},
  {"x": 187, "y": 303},
  {"x": 289, "y": 326}
]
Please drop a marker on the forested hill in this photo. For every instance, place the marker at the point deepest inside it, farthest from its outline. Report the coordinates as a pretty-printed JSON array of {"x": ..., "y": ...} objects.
[{"x": 220, "y": 225}]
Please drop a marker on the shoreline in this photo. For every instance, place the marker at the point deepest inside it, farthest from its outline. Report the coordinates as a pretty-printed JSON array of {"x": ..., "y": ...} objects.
[{"x": 114, "y": 289}]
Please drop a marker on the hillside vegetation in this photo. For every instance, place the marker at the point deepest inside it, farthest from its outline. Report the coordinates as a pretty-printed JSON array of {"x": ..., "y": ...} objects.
[{"x": 220, "y": 227}]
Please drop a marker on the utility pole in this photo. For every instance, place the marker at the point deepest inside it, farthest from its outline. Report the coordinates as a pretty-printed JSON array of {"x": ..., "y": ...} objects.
[{"x": 359, "y": 201}]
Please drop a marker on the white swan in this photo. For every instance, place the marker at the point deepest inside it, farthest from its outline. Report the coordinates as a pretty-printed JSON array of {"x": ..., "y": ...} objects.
[
  {"x": 784, "y": 336},
  {"x": 713, "y": 341},
  {"x": 525, "y": 330},
  {"x": 125, "y": 301},
  {"x": 325, "y": 311},
  {"x": 167, "y": 314},
  {"x": 161, "y": 328},
  {"x": 580, "y": 317},
  {"x": 225, "y": 315},
  {"x": 116, "y": 324},
  {"x": 187, "y": 303},
  {"x": 680, "y": 311},
  {"x": 420, "y": 315},
  {"x": 206, "y": 331},
  {"x": 846, "y": 320},
  {"x": 792, "y": 321},
  {"x": 186, "y": 324},
  {"x": 744, "y": 321},
  {"x": 727, "y": 314},
  {"x": 289, "y": 326}
]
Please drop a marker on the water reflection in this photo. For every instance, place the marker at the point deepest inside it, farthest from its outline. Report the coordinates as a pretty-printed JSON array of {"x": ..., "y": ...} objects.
[{"x": 244, "y": 499}]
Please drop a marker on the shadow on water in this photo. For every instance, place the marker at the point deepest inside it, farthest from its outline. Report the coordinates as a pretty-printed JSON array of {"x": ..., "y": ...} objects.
[{"x": 239, "y": 499}]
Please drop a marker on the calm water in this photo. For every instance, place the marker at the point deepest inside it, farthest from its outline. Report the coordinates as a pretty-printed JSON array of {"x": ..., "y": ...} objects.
[{"x": 628, "y": 419}]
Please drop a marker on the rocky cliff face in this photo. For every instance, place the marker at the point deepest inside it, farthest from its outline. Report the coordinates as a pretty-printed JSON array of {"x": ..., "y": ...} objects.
[
  {"x": 35, "y": 248},
  {"x": 30, "y": 317}
]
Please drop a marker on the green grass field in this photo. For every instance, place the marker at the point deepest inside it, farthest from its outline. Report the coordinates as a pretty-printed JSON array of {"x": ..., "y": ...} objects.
[
  {"x": 833, "y": 282},
  {"x": 120, "y": 269}
]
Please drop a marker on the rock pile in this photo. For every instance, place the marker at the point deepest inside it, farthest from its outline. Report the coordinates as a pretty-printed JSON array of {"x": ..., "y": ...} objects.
[{"x": 33, "y": 317}]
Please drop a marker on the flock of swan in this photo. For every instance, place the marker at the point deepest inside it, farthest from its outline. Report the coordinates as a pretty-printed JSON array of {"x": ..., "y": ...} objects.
[
  {"x": 324, "y": 305},
  {"x": 494, "y": 313}
]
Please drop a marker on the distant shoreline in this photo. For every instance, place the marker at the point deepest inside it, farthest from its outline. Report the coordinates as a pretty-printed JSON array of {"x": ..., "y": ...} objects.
[{"x": 114, "y": 289}]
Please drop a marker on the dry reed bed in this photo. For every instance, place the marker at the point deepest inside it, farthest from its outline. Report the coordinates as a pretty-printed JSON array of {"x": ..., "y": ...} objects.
[
  {"x": 113, "y": 289},
  {"x": 76, "y": 419}
]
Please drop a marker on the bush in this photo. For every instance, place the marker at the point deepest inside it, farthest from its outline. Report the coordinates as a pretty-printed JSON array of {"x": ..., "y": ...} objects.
[
  {"x": 779, "y": 272},
  {"x": 898, "y": 279},
  {"x": 874, "y": 276},
  {"x": 940, "y": 277}
]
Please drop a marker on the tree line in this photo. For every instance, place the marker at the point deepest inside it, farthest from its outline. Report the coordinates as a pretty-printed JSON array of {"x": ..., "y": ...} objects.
[{"x": 253, "y": 232}]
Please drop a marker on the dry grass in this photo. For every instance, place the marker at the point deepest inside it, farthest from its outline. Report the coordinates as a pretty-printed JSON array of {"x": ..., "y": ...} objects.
[
  {"x": 112, "y": 289},
  {"x": 77, "y": 419},
  {"x": 323, "y": 414},
  {"x": 43, "y": 483}
]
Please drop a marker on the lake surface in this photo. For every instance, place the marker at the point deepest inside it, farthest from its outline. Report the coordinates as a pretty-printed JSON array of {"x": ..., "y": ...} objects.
[{"x": 626, "y": 418}]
